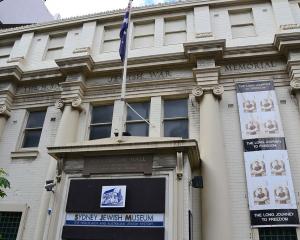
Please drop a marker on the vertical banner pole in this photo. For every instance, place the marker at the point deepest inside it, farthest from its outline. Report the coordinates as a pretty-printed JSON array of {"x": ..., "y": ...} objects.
[{"x": 124, "y": 79}]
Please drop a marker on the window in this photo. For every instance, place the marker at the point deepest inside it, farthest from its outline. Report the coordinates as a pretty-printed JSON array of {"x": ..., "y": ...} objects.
[
  {"x": 277, "y": 233},
  {"x": 33, "y": 129},
  {"x": 176, "y": 118},
  {"x": 143, "y": 35},
  {"x": 101, "y": 122},
  {"x": 111, "y": 39},
  {"x": 136, "y": 126},
  {"x": 55, "y": 46},
  {"x": 175, "y": 30},
  {"x": 242, "y": 24},
  {"x": 9, "y": 225}
]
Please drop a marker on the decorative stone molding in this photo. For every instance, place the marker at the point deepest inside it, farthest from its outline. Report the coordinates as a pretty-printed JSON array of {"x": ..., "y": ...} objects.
[
  {"x": 4, "y": 111},
  {"x": 80, "y": 64},
  {"x": 289, "y": 26},
  {"x": 82, "y": 50},
  {"x": 24, "y": 154},
  {"x": 295, "y": 85},
  {"x": 204, "y": 34},
  {"x": 15, "y": 60},
  {"x": 216, "y": 90},
  {"x": 76, "y": 103},
  {"x": 286, "y": 41},
  {"x": 197, "y": 92},
  {"x": 204, "y": 49},
  {"x": 11, "y": 72},
  {"x": 59, "y": 104}
]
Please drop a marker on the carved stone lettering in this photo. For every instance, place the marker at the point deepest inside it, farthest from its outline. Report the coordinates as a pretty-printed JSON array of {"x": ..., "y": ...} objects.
[
  {"x": 235, "y": 68},
  {"x": 119, "y": 164},
  {"x": 138, "y": 77},
  {"x": 143, "y": 76},
  {"x": 39, "y": 88}
]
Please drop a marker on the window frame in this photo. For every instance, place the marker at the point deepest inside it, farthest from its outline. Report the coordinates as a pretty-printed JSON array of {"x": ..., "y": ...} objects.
[
  {"x": 32, "y": 128},
  {"x": 139, "y": 120},
  {"x": 23, "y": 208},
  {"x": 100, "y": 124},
  {"x": 164, "y": 119},
  {"x": 271, "y": 236}
]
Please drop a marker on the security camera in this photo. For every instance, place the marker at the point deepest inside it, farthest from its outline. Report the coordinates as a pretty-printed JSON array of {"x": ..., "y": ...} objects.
[{"x": 50, "y": 184}]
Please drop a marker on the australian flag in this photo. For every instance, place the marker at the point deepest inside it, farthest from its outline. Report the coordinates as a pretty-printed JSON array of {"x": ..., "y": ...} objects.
[{"x": 123, "y": 32}]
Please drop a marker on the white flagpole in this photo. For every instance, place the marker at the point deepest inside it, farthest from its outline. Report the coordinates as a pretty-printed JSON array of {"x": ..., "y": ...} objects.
[{"x": 124, "y": 80}]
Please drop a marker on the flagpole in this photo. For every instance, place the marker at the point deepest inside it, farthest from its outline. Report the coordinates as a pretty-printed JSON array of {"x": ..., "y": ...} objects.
[{"x": 124, "y": 79}]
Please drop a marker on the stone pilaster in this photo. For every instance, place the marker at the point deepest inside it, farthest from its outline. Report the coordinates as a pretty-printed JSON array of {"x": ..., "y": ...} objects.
[
  {"x": 70, "y": 105},
  {"x": 86, "y": 38},
  {"x": 284, "y": 21},
  {"x": 215, "y": 195},
  {"x": 20, "y": 50},
  {"x": 202, "y": 22},
  {"x": 7, "y": 92}
]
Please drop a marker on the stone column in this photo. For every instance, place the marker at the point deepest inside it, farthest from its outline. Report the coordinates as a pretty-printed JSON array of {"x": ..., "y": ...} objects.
[
  {"x": 215, "y": 195},
  {"x": 66, "y": 133}
]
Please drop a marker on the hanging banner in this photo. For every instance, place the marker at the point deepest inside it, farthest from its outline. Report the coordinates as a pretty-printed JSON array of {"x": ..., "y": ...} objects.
[{"x": 271, "y": 195}]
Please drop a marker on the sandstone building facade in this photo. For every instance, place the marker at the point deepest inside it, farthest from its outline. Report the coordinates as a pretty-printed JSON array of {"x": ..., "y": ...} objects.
[{"x": 60, "y": 104}]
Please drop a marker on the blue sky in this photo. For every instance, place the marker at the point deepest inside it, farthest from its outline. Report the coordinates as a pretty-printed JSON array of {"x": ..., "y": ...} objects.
[{"x": 69, "y": 8}]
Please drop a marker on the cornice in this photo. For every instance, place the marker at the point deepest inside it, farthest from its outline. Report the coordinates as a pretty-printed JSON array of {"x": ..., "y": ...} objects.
[
  {"x": 287, "y": 41},
  {"x": 116, "y": 15},
  {"x": 140, "y": 145},
  {"x": 81, "y": 64},
  {"x": 42, "y": 75},
  {"x": 204, "y": 49},
  {"x": 12, "y": 73},
  {"x": 254, "y": 51}
]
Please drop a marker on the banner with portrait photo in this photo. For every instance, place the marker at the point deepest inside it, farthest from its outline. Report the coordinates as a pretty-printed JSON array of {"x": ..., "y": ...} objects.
[{"x": 271, "y": 195}]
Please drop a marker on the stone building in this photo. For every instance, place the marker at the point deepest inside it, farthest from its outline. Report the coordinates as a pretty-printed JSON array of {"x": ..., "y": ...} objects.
[{"x": 60, "y": 105}]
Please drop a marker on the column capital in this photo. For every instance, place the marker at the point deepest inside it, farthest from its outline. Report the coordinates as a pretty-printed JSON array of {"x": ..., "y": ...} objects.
[
  {"x": 73, "y": 90},
  {"x": 217, "y": 90},
  {"x": 4, "y": 110},
  {"x": 59, "y": 104},
  {"x": 293, "y": 67},
  {"x": 75, "y": 102},
  {"x": 295, "y": 86}
]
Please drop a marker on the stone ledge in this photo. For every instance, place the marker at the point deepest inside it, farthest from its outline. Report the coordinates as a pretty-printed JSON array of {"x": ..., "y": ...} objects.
[{"x": 24, "y": 154}]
